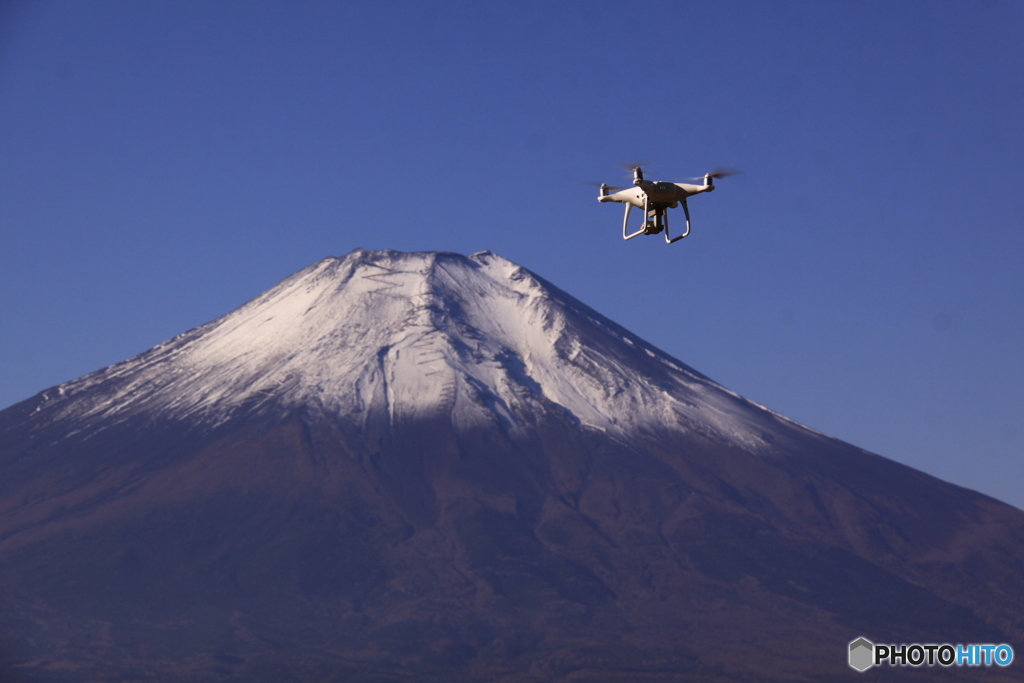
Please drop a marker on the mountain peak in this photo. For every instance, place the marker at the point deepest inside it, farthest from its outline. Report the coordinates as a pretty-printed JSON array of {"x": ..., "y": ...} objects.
[{"x": 406, "y": 336}]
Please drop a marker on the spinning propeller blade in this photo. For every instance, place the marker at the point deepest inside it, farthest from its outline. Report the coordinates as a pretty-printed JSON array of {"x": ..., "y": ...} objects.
[
  {"x": 611, "y": 188},
  {"x": 720, "y": 172},
  {"x": 633, "y": 165},
  {"x": 724, "y": 172}
]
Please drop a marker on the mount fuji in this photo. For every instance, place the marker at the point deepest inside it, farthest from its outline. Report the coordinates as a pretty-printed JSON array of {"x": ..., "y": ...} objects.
[{"x": 437, "y": 467}]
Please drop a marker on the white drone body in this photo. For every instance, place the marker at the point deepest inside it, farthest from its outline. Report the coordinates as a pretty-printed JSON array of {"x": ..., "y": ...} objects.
[{"x": 655, "y": 198}]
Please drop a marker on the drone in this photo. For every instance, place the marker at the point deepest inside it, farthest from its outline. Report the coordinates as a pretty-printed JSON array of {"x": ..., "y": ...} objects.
[{"x": 656, "y": 198}]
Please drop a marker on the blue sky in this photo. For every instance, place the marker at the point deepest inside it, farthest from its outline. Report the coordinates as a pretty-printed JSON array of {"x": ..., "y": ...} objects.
[{"x": 163, "y": 162}]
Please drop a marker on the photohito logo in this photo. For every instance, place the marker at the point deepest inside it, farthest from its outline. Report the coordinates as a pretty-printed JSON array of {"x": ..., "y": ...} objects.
[{"x": 864, "y": 654}]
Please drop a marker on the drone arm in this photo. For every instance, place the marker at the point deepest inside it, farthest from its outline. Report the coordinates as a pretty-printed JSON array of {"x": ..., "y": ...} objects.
[
  {"x": 686, "y": 210},
  {"x": 625, "y": 222}
]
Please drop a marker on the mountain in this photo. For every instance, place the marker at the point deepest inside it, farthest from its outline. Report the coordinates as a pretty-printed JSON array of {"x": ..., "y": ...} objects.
[{"x": 429, "y": 466}]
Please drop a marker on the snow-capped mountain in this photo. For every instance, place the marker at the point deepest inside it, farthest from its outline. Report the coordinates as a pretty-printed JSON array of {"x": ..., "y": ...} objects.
[
  {"x": 406, "y": 336},
  {"x": 436, "y": 467}
]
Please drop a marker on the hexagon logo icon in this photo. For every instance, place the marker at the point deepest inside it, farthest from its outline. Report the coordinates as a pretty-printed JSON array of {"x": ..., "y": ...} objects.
[{"x": 862, "y": 654}]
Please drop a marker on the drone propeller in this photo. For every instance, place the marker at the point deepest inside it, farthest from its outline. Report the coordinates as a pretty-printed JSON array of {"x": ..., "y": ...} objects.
[
  {"x": 632, "y": 166},
  {"x": 724, "y": 172},
  {"x": 610, "y": 188},
  {"x": 719, "y": 172}
]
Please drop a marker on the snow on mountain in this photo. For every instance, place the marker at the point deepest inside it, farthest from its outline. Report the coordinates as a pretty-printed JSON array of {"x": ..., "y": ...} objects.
[{"x": 415, "y": 336}]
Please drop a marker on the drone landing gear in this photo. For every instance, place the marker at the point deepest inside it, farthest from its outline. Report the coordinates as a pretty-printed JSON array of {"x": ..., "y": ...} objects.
[
  {"x": 625, "y": 222},
  {"x": 686, "y": 211},
  {"x": 655, "y": 220}
]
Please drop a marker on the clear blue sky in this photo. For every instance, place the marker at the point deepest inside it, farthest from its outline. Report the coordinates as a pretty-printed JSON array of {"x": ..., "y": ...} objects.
[{"x": 163, "y": 162}]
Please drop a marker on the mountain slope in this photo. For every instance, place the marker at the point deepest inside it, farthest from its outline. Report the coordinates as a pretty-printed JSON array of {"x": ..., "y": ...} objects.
[
  {"x": 405, "y": 335},
  {"x": 443, "y": 466}
]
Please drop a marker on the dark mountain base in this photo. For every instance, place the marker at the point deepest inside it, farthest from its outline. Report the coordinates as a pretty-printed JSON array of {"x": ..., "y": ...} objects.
[{"x": 308, "y": 552}]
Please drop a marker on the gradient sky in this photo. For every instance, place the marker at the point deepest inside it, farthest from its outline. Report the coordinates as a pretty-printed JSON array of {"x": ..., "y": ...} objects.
[{"x": 163, "y": 162}]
